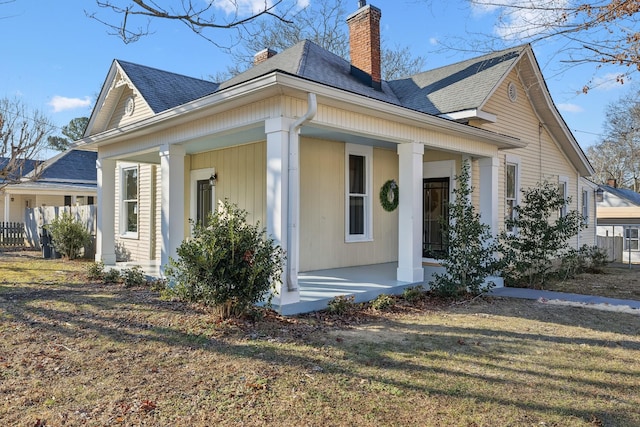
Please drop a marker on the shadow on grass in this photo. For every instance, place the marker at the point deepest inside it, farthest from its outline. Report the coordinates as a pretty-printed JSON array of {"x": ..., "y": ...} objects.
[{"x": 432, "y": 352}]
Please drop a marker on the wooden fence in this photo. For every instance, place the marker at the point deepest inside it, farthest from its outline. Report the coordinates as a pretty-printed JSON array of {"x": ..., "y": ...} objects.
[
  {"x": 35, "y": 218},
  {"x": 11, "y": 234}
]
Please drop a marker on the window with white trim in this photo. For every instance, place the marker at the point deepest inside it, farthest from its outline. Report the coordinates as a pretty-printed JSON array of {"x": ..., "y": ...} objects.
[
  {"x": 129, "y": 201},
  {"x": 632, "y": 239},
  {"x": 358, "y": 212},
  {"x": 512, "y": 184},
  {"x": 585, "y": 206},
  {"x": 563, "y": 185}
]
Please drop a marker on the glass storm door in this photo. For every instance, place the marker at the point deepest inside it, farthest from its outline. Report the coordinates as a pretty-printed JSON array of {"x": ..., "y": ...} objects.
[
  {"x": 203, "y": 201},
  {"x": 435, "y": 199}
]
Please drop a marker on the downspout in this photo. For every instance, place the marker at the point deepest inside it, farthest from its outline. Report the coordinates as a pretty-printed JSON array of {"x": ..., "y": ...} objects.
[{"x": 293, "y": 234}]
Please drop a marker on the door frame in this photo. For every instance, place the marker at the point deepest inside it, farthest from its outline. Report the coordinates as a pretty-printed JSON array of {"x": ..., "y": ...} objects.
[{"x": 438, "y": 169}]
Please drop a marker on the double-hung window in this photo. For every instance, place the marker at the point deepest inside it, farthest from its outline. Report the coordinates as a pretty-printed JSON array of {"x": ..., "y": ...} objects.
[
  {"x": 585, "y": 207},
  {"x": 512, "y": 175},
  {"x": 358, "y": 212},
  {"x": 129, "y": 199},
  {"x": 632, "y": 239},
  {"x": 563, "y": 188}
]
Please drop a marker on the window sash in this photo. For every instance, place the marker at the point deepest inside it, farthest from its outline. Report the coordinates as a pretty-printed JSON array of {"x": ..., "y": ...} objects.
[
  {"x": 358, "y": 209},
  {"x": 130, "y": 190},
  {"x": 511, "y": 192}
]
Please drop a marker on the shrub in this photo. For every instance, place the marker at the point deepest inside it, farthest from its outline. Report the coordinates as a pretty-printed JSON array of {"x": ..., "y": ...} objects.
[
  {"x": 227, "y": 264},
  {"x": 597, "y": 259},
  {"x": 95, "y": 271},
  {"x": 470, "y": 255},
  {"x": 68, "y": 235},
  {"x": 528, "y": 253},
  {"x": 112, "y": 276},
  {"x": 133, "y": 276},
  {"x": 413, "y": 293},
  {"x": 340, "y": 304},
  {"x": 382, "y": 302}
]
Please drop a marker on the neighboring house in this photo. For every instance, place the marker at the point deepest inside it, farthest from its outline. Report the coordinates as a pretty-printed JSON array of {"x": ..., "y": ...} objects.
[
  {"x": 619, "y": 216},
  {"x": 68, "y": 178},
  {"x": 305, "y": 140}
]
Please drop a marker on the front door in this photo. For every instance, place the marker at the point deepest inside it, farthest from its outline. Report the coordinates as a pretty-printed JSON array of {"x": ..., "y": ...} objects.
[
  {"x": 435, "y": 199},
  {"x": 203, "y": 207}
]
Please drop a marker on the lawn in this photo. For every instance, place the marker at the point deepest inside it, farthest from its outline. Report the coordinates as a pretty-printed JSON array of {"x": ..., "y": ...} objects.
[{"x": 75, "y": 352}]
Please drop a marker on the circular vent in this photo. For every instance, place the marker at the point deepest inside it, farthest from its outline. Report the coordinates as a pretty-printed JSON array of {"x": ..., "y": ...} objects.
[
  {"x": 129, "y": 106},
  {"x": 512, "y": 91}
]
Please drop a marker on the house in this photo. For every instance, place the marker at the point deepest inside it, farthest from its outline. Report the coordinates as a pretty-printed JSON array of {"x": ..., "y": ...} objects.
[
  {"x": 304, "y": 141},
  {"x": 68, "y": 178},
  {"x": 619, "y": 217}
]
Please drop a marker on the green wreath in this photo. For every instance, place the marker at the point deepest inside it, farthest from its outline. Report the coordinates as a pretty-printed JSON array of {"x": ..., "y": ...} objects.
[{"x": 390, "y": 195}]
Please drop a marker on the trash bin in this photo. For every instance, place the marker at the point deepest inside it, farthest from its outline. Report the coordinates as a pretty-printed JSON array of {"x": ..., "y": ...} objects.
[{"x": 45, "y": 243}]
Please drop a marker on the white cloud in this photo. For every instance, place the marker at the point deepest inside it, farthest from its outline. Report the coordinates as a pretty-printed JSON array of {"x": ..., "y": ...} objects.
[
  {"x": 570, "y": 108},
  {"x": 607, "y": 82},
  {"x": 433, "y": 41},
  {"x": 242, "y": 7},
  {"x": 518, "y": 19},
  {"x": 62, "y": 103}
]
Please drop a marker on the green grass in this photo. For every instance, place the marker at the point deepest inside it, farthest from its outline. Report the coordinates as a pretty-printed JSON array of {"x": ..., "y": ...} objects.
[{"x": 81, "y": 353}]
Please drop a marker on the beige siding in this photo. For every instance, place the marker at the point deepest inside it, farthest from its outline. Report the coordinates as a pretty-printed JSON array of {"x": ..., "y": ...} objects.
[
  {"x": 140, "y": 111},
  {"x": 136, "y": 248},
  {"x": 542, "y": 159},
  {"x": 242, "y": 174},
  {"x": 322, "y": 209}
]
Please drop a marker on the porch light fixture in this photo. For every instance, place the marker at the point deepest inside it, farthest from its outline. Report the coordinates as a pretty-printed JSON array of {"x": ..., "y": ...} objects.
[
  {"x": 212, "y": 179},
  {"x": 599, "y": 194}
]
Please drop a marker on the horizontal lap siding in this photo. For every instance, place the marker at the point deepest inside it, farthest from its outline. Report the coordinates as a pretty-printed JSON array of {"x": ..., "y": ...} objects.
[
  {"x": 242, "y": 177},
  {"x": 322, "y": 209},
  {"x": 140, "y": 111},
  {"x": 542, "y": 159}
]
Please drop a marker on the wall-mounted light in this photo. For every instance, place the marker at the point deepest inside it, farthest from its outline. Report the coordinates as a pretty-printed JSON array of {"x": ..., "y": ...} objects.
[
  {"x": 599, "y": 194},
  {"x": 213, "y": 179}
]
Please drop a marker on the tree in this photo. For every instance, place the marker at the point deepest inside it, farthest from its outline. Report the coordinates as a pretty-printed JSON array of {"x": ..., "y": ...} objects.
[
  {"x": 323, "y": 23},
  {"x": 470, "y": 256},
  {"x": 72, "y": 132},
  {"x": 598, "y": 32},
  {"x": 528, "y": 252},
  {"x": 617, "y": 156},
  {"x": 197, "y": 16},
  {"x": 23, "y": 135}
]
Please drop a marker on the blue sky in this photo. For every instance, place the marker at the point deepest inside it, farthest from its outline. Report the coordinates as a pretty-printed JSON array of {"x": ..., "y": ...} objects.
[{"x": 55, "y": 59}]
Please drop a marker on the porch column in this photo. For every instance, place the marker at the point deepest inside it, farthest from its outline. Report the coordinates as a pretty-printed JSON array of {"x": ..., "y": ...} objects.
[
  {"x": 172, "y": 201},
  {"x": 106, "y": 209},
  {"x": 488, "y": 170},
  {"x": 410, "y": 212},
  {"x": 277, "y": 215},
  {"x": 7, "y": 206}
]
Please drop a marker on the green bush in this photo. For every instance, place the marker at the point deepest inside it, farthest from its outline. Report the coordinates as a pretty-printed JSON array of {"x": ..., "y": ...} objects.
[
  {"x": 341, "y": 304},
  {"x": 227, "y": 264},
  {"x": 112, "y": 276},
  {"x": 382, "y": 302},
  {"x": 133, "y": 276},
  {"x": 413, "y": 293},
  {"x": 68, "y": 235},
  {"x": 95, "y": 271}
]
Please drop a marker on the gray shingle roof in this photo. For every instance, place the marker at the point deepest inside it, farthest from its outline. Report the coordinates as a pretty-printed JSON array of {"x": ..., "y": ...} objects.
[
  {"x": 163, "y": 90},
  {"x": 623, "y": 193},
  {"x": 26, "y": 166},
  {"x": 77, "y": 165}
]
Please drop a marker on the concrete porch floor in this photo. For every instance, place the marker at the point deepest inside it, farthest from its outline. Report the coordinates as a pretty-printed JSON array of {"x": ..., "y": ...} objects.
[{"x": 317, "y": 288}]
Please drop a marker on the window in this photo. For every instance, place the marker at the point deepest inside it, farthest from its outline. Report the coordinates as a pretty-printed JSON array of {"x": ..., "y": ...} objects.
[
  {"x": 90, "y": 200},
  {"x": 67, "y": 200},
  {"x": 563, "y": 185},
  {"x": 129, "y": 196},
  {"x": 358, "y": 220},
  {"x": 585, "y": 206},
  {"x": 632, "y": 239},
  {"x": 511, "y": 190}
]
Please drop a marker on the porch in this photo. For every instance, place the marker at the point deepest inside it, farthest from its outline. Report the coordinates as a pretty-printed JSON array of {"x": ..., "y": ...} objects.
[{"x": 319, "y": 287}]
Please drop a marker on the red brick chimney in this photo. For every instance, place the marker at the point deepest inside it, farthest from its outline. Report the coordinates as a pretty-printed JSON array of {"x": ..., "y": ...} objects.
[
  {"x": 263, "y": 55},
  {"x": 364, "y": 43},
  {"x": 612, "y": 182}
]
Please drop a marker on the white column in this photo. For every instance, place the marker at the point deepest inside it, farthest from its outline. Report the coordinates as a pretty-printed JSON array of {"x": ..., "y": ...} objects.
[
  {"x": 277, "y": 131},
  {"x": 106, "y": 199},
  {"x": 172, "y": 201},
  {"x": 410, "y": 213},
  {"x": 488, "y": 169},
  {"x": 7, "y": 206}
]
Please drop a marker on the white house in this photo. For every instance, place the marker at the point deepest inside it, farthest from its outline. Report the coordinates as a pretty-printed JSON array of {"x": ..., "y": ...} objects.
[{"x": 304, "y": 141}]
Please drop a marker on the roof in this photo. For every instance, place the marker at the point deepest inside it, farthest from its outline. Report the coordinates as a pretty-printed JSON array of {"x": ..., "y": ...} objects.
[
  {"x": 163, "y": 90},
  {"x": 629, "y": 195},
  {"x": 71, "y": 165},
  {"x": 27, "y": 165}
]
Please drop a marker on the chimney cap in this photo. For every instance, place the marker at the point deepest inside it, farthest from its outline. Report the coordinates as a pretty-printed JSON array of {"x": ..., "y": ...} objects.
[{"x": 362, "y": 3}]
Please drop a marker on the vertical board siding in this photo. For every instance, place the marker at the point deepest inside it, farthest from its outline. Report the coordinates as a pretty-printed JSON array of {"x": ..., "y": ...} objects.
[
  {"x": 242, "y": 174},
  {"x": 322, "y": 209}
]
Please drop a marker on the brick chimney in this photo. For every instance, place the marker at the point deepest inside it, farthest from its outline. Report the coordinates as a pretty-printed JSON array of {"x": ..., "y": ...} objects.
[
  {"x": 612, "y": 182},
  {"x": 263, "y": 55},
  {"x": 364, "y": 44}
]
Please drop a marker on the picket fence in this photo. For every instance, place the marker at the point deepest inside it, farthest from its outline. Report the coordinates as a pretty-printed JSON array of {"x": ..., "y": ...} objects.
[{"x": 11, "y": 234}]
